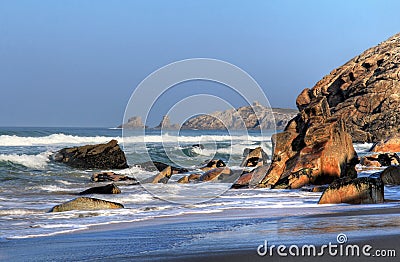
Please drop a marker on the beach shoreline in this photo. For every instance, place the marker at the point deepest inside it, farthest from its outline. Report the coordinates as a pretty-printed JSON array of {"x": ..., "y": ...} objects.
[{"x": 120, "y": 241}]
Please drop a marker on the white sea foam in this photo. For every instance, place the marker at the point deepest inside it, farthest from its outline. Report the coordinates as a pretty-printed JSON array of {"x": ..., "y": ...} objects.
[
  {"x": 362, "y": 148},
  {"x": 38, "y": 161},
  {"x": 62, "y": 139}
]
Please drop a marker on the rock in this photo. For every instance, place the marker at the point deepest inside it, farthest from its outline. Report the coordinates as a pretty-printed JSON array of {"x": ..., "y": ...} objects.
[
  {"x": 85, "y": 203},
  {"x": 379, "y": 160},
  {"x": 134, "y": 122},
  {"x": 110, "y": 176},
  {"x": 212, "y": 164},
  {"x": 252, "y": 178},
  {"x": 107, "y": 189},
  {"x": 246, "y": 117},
  {"x": 183, "y": 180},
  {"x": 152, "y": 166},
  {"x": 102, "y": 156},
  {"x": 362, "y": 190},
  {"x": 189, "y": 178},
  {"x": 319, "y": 188},
  {"x": 364, "y": 92},
  {"x": 391, "y": 175},
  {"x": 214, "y": 174},
  {"x": 314, "y": 149},
  {"x": 166, "y": 124},
  {"x": 163, "y": 176},
  {"x": 391, "y": 145},
  {"x": 254, "y": 157}
]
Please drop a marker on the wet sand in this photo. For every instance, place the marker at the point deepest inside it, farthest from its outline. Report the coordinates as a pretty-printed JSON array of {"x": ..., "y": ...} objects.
[{"x": 165, "y": 237}]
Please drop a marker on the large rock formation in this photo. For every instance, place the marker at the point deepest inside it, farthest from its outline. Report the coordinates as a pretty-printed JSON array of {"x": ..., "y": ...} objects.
[
  {"x": 85, "y": 203},
  {"x": 166, "y": 124},
  {"x": 314, "y": 149},
  {"x": 362, "y": 190},
  {"x": 358, "y": 101},
  {"x": 102, "y": 156},
  {"x": 364, "y": 92},
  {"x": 134, "y": 122},
  {"x": 391, "y": 144},
  {"x": 246, "y": 117}
]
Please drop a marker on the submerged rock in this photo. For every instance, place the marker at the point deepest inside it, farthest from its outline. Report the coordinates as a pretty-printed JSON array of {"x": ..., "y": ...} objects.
[
  {"x": 391, "y": 175},
  {"x": 254, "y": 157},
  {"x": 86, "y": 203},
  {"x": 107, "y": 189},
  {"x": 391, "y": 145},
  {"x": 101, "y": 156},
  {"x": 362, "y": 190},
  {"x": 111, "y": 176}
]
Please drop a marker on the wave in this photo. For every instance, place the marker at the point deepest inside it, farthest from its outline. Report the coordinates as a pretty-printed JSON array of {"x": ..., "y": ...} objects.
[
  {"x": 38, "y": 161},
  {"x": 62, "y": 139}
]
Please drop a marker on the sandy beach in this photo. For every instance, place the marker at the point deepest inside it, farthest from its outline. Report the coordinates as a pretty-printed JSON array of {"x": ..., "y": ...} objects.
[{"x": 234, "y": 236}]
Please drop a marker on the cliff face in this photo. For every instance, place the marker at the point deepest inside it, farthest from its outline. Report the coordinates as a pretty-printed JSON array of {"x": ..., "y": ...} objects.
[
  {"x": 242, "y": 118},
  {"x": 364, "y": 92},
  {"x": 133, "y": 123}
]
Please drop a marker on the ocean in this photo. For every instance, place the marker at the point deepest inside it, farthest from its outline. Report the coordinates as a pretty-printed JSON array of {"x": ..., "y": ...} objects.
[{"x": 31, "y": 184}]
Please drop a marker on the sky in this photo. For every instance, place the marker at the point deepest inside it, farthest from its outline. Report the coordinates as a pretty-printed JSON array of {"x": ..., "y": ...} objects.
[{"x": 77, "y": 63}]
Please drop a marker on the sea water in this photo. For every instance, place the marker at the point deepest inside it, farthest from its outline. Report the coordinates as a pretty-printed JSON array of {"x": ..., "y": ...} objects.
[{"x": 31, "y": 183}]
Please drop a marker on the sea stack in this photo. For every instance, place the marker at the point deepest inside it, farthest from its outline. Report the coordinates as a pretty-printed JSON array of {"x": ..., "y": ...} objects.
[{"x": 357, "y": 102}]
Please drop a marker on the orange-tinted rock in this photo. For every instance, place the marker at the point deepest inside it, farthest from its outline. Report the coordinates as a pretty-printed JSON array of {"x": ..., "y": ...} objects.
[
  {"x": 254, "y": 157},
  {"x": 163, "y": 176},
  {"x": 379, "y": 160},
  {"x": 362, "y": 190},
  {"x": 391, "y": 145},
  {"x": 252, "y": 178},
  {"x": 315, "y": 148},
  {"x": 183, "y": 180},
  {"x": 214, "y": 174},
  {"x": 194, "y": 177}
]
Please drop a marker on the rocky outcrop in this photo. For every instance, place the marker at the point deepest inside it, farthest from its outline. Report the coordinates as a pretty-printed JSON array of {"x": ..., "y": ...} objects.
[
  {"x": 364, "y": 93},
  {"x": 214, "y": 163},
  {"x": 166, "y": 124},
  {"x": 246, "y": 117},
  {"x": 391, "y": 144},
  {"x": 111, "y": 176},
  {"x": 254, "y": 157},
  {"x": 86, "y": 203},
  {"x": 102, "y": 156},
  {"x": 314, "y": 149},
  {"x": 391, "y": 175},
  {"x": 362, "y": 190},
  {"x": 134, "y": 122},
  {"x": 107, "y": 189},
  {"x": 152, "y": 166}
]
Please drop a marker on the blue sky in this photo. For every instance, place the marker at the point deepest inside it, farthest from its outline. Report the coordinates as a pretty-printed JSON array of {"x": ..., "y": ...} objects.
[{"x": 76, "y": 63}]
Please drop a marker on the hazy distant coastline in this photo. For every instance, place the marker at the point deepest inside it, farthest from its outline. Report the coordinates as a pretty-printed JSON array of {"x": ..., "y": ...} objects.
[{"x": 246, "y": 117}]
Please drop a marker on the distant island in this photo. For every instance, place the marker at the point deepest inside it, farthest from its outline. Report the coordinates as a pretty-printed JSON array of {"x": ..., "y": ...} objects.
[{"x": 246, "y": 117}]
